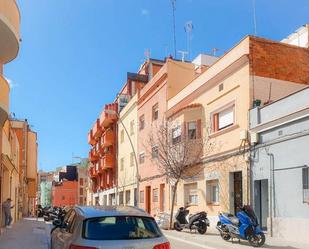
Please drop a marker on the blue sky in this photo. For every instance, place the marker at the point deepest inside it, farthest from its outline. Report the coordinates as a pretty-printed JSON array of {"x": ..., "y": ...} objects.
[{"x": 75, "y": 54}]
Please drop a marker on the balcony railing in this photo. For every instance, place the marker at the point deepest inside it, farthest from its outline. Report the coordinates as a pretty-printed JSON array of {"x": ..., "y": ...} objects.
[
  {"x": 108, "y": 138},
  {"x": 97, "y": 129}
]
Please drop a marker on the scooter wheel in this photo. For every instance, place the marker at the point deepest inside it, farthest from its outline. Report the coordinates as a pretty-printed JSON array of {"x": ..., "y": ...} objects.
[
  {"x": 202, "y": 228},
  {"x": 177, "y": 227},
  {"x": 257, "y": 240}
]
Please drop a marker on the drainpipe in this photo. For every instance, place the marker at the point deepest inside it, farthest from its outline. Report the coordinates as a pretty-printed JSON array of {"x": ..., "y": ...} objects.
[{"x": 271, "y": 191}]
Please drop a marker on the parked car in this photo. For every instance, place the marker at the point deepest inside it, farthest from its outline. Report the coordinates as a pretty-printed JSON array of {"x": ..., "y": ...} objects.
[{"x": 108, "y": 227}]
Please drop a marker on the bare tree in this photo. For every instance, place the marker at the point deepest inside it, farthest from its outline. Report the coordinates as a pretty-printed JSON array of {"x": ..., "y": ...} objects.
[{"x": 178, "y": 153}]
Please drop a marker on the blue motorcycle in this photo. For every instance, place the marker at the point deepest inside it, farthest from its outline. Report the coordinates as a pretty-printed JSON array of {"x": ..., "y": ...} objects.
[{"x": 242, "y": 226}]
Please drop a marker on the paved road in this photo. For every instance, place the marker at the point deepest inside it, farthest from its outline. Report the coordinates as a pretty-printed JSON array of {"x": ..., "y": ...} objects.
[{"x": 212, "y": 240}]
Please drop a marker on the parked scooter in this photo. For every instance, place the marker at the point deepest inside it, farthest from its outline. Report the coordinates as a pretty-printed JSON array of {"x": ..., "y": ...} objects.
[
  {"x": 198, "y": 221},
  {"x": 242, "y": 226}
]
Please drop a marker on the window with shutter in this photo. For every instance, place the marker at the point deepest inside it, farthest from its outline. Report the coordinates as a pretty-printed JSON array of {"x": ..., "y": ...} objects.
[{"x": 223, "y": 119}]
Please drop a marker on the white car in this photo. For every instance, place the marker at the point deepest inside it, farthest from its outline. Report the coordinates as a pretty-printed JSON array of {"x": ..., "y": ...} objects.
[{"x": 108, "y": 227}]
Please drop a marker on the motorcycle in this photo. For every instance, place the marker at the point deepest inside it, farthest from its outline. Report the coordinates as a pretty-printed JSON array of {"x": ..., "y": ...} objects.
[
  {"x": 198, "y": 221},
  {"x": 242, "y": 226}
]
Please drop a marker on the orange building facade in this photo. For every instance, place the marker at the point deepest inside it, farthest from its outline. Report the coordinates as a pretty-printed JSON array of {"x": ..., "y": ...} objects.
[
  {"x": 102, "y": 138},
  {"x": 65, "y": 193}
]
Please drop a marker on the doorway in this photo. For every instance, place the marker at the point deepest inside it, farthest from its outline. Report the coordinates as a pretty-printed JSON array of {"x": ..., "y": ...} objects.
[
  {"x": 261, "y": 201},
  {"x": 162, "y": 197},
  {"x": 148, "y": 199},
  {"x": 238, "y": 202}
]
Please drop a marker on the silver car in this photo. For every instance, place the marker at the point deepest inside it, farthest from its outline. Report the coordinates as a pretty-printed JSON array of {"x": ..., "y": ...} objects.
[{"x": 108, "y": 227}]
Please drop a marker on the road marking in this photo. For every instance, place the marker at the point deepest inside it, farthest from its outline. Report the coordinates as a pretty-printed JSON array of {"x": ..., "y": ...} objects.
[{"x": 189, "y": 242}]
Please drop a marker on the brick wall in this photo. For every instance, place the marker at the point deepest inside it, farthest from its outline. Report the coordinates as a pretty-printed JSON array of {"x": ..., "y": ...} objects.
[{"x": 279, "y": 61}]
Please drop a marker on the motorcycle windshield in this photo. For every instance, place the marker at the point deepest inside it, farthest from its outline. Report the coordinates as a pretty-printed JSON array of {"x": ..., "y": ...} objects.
[{"x": 249, "y": 211}]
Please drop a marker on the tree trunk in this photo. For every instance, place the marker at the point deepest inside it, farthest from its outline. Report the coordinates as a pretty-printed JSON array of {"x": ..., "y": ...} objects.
[{"x": 173, "y": 203}]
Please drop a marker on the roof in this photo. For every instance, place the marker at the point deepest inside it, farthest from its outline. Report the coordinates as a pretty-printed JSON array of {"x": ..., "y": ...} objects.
[{"x": 99, "y": 211}]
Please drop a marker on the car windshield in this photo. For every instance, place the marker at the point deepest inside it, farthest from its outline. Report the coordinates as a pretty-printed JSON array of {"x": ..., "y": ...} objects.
[{"x": 120, "y": 228}]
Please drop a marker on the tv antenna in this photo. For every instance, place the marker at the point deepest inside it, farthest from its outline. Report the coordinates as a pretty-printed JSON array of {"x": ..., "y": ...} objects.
[
  {"x": 254, "y": 16},
  {"x": 188, "y": 30},
  {"x": 214, "y": 51},
  {"x": 183, "y": 54},
  {"x": 173, "y": 2},
  {"x": 147, "y": 54}
]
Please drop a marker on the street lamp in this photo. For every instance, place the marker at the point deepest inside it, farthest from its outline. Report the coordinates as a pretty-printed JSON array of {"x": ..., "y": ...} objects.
[{"x": 112, "y": 112}]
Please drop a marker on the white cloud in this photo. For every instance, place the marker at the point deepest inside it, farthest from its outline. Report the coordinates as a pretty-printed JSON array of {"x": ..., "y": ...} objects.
[{"x": 145, "y": 12}]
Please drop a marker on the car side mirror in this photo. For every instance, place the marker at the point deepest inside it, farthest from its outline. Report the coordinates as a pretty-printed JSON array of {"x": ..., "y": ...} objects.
[{"x": 57, "y": 223}]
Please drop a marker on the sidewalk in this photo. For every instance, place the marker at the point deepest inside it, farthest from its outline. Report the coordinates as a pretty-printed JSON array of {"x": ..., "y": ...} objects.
[
  {"x": 28, "y": 233},
  {"x": 212, "y": 240}
]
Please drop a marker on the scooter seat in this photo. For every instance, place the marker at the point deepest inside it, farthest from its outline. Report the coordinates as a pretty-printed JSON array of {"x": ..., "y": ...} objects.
[{"x": 232, "y": 218}]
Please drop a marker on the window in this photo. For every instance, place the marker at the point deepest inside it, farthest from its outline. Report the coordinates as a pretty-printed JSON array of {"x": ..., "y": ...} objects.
[
  {"x": 141, "y": 157},
  {"x": 212, "y": 191},
  {"x": 192, "y": 130},
  {"x": 155, "y": 151},
  {"x": 128, "y": 197},
  {"x": 155, "y": 195},
  {"x": 141, "y": 196},
  {"x": 132, "y": 127},
  {"x": 223, "y": 119},
  {"x": 155, "y": 112},
  {"x": 120, "y": 228},
  {"x": 81, "y": 191},
  {"x": 81, "y": 181},
  {"x": 176, "y": 135},
  {"x": 132, "y": 159},
  {"x": 121, "y": 164},
  {"x": 121, "y": 198},
  {"x": 81, "y": 201},
  {"x": 306, "y": 185},
  {"x": 191, "y": 195},
  {"x": 122, "y": 136},
  {"x": 142, "y": 122}
]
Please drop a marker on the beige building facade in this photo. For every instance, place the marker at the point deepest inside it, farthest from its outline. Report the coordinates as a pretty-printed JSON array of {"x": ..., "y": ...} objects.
[
  {"x": 249, "y": 74},
  {"x": 126, "y": 154}
]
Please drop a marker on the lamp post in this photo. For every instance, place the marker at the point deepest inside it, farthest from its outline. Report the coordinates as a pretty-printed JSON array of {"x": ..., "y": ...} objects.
[{"x": 112, "y": 112}]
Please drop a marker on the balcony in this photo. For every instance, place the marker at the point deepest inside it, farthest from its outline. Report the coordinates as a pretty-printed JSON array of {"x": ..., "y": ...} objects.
[
  {"x": 92, "y": 172},
  {"x": 91, "y": 139},
  {"x": 108, "y": 138},
  {"x": 4, "y": 100},
  {"x": 108, "y": 161},
  {"x": 97, "y": 130},
  {"x": 107, "y": 119},
  {"x": 93, "y": 155},
  {"x": 9, "y": 30}
]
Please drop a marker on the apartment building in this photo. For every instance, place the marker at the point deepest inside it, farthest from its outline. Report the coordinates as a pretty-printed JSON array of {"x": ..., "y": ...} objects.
[
  {"x": 173, "y": 76},
  {"x": 82, "y": 172},
  {"x": 9, "y": 47},
  {"x": 108, "y": 133},
  {"x": 102, "y": 138},
  {"x": 9, "y": 171},
  {"x": 280, "y": 178},
  {"x": 65, "y": 190},
  {"x": 254, "y": 72},
  {"x": 28, "y": 167}
]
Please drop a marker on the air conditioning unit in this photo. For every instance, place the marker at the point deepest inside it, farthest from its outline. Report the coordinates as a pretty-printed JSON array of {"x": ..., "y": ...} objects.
[
  {"x": 254, "y": 138},
  {"x": 243, "y": 135}
]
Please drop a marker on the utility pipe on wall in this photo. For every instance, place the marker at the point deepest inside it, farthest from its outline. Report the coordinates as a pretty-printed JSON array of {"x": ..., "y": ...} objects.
[{"x": 271, "y": 191}]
